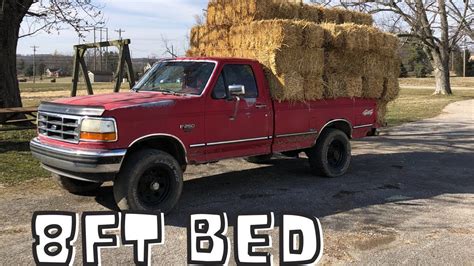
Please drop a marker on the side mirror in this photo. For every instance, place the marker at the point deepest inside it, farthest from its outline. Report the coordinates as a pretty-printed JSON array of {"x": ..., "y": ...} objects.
[{"x": 236, "y": 90}]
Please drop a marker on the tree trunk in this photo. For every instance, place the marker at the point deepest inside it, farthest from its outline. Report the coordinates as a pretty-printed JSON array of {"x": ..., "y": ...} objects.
[
  {"x": 441, "y": 73},
  {"x": 9, "y": 29}
]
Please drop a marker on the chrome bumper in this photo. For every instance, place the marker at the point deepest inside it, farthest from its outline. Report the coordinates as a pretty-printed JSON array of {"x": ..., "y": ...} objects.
[{"x": 91, "y": 165}]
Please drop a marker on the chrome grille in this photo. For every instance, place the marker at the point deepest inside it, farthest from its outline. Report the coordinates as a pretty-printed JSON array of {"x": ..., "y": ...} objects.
[{"x": 59, "y": 126}]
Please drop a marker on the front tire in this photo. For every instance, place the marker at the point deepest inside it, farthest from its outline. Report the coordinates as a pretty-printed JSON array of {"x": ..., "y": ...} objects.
[
  {"x": 150, "y": 181},
  {"x": 77, "y": 187},
  {"x": 331, "y": 156}
]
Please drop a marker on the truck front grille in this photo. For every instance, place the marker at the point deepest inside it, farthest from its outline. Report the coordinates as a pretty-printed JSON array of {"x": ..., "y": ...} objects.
[{"x": 59, "y": 126}]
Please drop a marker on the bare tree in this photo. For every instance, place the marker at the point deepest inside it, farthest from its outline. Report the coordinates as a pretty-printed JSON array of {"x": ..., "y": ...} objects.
[
  {"x": 438, "y": 24},
  {"x": 169, "y": 47},
  {"x": 37, "y": 16}
]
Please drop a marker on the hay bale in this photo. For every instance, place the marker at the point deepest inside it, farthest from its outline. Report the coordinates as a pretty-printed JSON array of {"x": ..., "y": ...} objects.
[
  {"x": 391, "y": 89},
  {"x": 381, "y": 112},
  {"x": 225, "y": 12},
  {"x": 313, "y": 88},
  {"x": 372, "y": 87},
  {"x": 287, "y": 87},
  {"x": 267, "y": 34},
  {"x": 354, "y": 86},
  {"x": 303, "y": 60}
]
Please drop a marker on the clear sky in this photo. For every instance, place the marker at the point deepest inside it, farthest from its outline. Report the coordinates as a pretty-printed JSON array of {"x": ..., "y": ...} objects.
[{"x": 144, "y": 22}]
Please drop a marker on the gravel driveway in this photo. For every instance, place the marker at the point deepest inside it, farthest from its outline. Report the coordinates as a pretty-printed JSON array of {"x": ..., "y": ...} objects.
[{"x": 408, "y": 198}]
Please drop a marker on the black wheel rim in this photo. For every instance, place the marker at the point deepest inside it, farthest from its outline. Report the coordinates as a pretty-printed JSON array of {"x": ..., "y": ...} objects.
[
  {"x": 336, "y": 154},
  {"x": 154, "y": 186}
]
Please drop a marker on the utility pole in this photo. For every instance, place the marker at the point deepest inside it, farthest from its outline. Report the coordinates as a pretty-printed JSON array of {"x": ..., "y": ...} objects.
[
  {"x": 34, "y": 62},
  {"x": 107, "y": 50},
  {"x": 464, "y": 58},
  {"x": 100, "y": 50},
  {"x": 120, "y": 33},
  {"x": 95, "y": 51}
]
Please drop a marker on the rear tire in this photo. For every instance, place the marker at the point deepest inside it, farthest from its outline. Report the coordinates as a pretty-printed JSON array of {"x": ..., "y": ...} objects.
[
  {"x": 150, "y": 181},
  {"x": 259, "y": 159},
  {"x": 331, "y": 156},
  {"x": 75, "y": 186}
]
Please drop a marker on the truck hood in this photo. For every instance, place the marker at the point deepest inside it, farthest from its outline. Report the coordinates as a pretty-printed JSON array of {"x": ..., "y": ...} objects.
[{"x": 115, "y": 101}]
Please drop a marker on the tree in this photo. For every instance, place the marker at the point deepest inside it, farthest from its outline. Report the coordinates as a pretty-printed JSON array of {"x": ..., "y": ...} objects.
[
  {"x": 403, "y": 71},
  {"x": 40, "y": 69},
  {"x": 48, "y": 16},
  {"x": 437, "y": 24},
  {"x": 29, "y": 71},
  {"x": 419, "y": 61},
  {"x": 21, "y": 66}
]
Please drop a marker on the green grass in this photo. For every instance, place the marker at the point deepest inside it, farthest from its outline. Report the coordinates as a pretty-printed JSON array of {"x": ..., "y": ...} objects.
[
  {"x": 467, "y": 82},
  {"x": 62, "y": 86},
  {"x": 16, "y": 163},
  {"x": 416, "y": 104}
]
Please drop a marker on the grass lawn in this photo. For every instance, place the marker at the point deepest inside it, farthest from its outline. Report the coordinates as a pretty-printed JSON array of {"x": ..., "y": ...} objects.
[
  {"x": 467, "y": 82},
  {"x": 17, "y": 164},
  {"x": 416, "y": 104},
  {"x": 62, "y": 86}
]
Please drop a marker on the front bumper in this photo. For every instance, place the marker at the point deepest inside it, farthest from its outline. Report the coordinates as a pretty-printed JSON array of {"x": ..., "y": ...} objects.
[{"x": 88, "y": 165}]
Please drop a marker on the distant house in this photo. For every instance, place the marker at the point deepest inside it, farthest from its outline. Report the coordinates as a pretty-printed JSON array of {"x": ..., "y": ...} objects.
[
  {"x": 101, "y": 76},
  {"x": 54, "y": 72}
]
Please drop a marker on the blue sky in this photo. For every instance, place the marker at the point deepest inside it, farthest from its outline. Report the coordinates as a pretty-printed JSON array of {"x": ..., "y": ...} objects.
[{"x": 144, "y": 22}]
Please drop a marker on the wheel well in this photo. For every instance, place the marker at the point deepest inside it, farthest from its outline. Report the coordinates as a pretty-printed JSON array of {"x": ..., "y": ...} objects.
[
  {"x": 163, "y": 143},
  {"x": 342, "y": 125}
]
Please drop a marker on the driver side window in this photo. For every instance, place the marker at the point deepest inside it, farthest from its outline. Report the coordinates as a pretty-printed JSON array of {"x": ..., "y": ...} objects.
[{"x": 219, "y": 91}]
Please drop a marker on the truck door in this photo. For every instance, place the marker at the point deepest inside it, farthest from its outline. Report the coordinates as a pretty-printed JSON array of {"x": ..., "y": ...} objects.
[{"x": 237, "y": 128}]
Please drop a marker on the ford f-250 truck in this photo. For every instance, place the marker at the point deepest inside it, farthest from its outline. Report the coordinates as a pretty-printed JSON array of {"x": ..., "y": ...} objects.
[{"x": 190, "y": 111}]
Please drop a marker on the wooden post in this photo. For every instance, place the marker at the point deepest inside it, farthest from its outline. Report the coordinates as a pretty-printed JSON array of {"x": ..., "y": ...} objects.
[
  {"x": 119, "y": 74},
  {"x": 131, "y": 74},
  {"x": 86, "y": 75},
  {"x": 75, "y": 71}
]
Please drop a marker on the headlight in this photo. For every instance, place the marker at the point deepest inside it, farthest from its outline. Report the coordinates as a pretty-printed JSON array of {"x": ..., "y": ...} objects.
[{"x": 98, "y": 129}]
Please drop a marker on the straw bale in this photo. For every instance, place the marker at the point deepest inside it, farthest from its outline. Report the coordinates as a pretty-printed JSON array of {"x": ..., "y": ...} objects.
[
  {"x": 334, "y": 15},
  {"x": 303, "y": 60},
  {"x": 287, "y": 87},
  {"x": 313, "y": 34},
  {"x": 334, "y": 86},
  {"x": 334, "y": 36},
  {"x": 267, "y": 33},
  {"x": 313, "y": 88},
  {"x": 233, "y": 12},
  {"x": 391, "y": 89},
  {"x": 313, "y": 13},
  {"x": 381, "y": 112},
  {"x": 354, "y": 86},
  {"x": 372, "y": 87}
]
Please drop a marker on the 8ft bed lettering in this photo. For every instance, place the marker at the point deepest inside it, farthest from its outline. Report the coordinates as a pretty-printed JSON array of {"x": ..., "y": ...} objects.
[{"x": 55, "y": 233}]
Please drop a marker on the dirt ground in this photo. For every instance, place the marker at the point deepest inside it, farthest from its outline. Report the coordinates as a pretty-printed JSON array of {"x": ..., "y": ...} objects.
[{"x": 408, "y": 199}]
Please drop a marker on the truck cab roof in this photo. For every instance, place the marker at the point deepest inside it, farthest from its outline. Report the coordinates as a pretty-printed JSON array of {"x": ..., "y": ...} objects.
[{"x": 217, "y": 59}]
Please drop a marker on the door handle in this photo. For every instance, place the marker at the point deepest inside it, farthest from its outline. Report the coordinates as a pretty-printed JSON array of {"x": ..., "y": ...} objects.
[{"x": 260, "y": 106}]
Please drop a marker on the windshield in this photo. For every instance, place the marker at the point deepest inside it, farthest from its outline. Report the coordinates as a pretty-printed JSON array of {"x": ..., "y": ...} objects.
[{"x": 178, "y": 77}]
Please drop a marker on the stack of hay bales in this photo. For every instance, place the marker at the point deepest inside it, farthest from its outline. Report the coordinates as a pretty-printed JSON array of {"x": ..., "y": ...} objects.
[{"x": 308, "y": 52}]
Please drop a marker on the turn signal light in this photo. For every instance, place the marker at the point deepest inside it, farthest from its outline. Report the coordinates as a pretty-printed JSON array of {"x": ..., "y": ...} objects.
[{"x": 89, "y": 136}]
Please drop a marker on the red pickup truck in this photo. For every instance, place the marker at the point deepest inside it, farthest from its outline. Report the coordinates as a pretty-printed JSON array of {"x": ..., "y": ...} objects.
[{"x": 190, "y": 111}]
